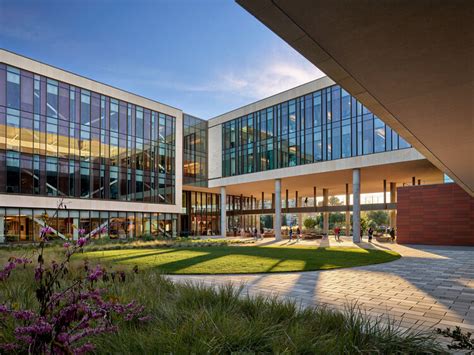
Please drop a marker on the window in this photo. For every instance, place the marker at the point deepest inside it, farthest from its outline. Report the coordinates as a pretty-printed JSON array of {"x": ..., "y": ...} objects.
[
  {"x": 85, "y": 107},
  {"x": 346, "y": 141},
  {"x": 379, "y": 135},
  {"x": 52, "y": 99},
  {"x": 13, "y": 88},
  {"x": 368, "y": 134},
  {"x": 139, "y": 122}
]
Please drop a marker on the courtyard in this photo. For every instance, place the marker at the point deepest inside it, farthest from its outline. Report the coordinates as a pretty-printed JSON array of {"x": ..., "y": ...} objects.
[{"x": 428, "y": 287}]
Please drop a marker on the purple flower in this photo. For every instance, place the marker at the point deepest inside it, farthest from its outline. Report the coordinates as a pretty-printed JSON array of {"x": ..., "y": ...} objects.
[
  {"x": 81, "y": 242},
  {"x": 95, "y": 274},
  {"x": 38, "y": 273},
  {"x": 23, "y": 315},
  {"x": 81, "y": 231},
  {"x": 46, "y": 230},
  {"x": 9, "y": 347},
  {"x": 66, "y": 245},
  {"x": 3, "y": 308},
  {"x": 103, "y": 229}
]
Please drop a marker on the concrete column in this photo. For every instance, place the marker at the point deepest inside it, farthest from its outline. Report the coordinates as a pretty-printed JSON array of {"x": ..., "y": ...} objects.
[
  {"x": 356, "y": 206},
  {"x": 325, "y": 214},
  {"x": 75, "y": 231},
  {"x": 277, "y": 220},
  {"x": 223, "y": 212},
  {"x": 348, "y": 213},
  {"x": 2, "y": 229},
  {"x": 300, "y": 215},
  {"x": 393, "y": 199},
  {"x": 173, "y": 228}
]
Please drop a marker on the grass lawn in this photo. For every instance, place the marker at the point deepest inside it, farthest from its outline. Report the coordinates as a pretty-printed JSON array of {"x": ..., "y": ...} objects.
[
  {"x": 242, "y": 260},
  {"x": 194, "y": 319}
]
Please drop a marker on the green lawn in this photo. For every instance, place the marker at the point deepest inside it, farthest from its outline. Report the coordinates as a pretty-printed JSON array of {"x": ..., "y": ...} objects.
[{"x": 242, "y": 260}]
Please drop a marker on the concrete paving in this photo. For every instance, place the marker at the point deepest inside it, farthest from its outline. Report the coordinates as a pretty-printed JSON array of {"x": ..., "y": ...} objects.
[{"x": 428, "y": 287}]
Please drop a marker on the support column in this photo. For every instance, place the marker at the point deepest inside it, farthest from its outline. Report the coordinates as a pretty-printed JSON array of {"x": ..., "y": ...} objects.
[
  {"x": 223, "y": 212},
  {"x": 300, "y": 214},
  {"x": 348, "y": 213},
  {"x": 277, "y": 221},
  {"x": 2, "y": 229},
  {"x": 393, "y": 199},
  {"x": 356, "y": 206},
  {"x": 325, "y": 214},
  {"x": 75, "y": 231}
]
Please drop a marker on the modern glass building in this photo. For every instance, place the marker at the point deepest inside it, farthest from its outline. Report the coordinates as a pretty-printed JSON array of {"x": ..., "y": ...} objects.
[
  {"x": 125, "y": 166},
  {"x": 194, "y": 151},
  {"x": 324, "y": 125},
  {"x": 65, "y": 142}
]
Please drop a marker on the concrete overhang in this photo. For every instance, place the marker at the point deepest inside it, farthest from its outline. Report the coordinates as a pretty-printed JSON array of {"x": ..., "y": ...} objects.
[
  {"x": 397, "y": 166},
  {"x": 410, "y": 62}
]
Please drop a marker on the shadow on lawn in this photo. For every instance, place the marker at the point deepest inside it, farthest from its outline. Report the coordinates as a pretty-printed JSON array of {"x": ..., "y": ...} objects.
[{"x": 312, "y": 259}]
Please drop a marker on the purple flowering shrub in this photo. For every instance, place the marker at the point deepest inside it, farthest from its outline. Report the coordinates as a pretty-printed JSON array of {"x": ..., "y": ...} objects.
[{"x": 71, "y": 308}]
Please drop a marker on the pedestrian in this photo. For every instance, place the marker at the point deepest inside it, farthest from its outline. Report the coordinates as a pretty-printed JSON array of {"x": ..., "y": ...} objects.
[
  {"x": 298, "y": 233},
  {"x": 337, "y": 232},
  {"x": 291, "y": 234},
  {"x": 262, "y": 232},
  {"x": 255, "y": 233},
  {"x": 370, "y": 232},
  {"x": 392, "y": 234}
]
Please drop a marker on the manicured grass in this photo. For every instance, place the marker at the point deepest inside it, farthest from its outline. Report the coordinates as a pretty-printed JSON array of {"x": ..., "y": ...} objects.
[
  {"x": 194, "y": 319},
  {"x": 242, "y": 260}
]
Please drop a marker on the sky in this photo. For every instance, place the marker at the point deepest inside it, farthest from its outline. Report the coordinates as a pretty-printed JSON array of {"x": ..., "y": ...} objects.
[{"x": 206, "y": 57}]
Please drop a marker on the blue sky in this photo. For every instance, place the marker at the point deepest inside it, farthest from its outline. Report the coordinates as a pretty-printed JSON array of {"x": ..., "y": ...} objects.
[{"x": 206, "y": 57}]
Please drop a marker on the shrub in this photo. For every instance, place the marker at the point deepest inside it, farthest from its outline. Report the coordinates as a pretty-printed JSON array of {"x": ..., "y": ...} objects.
[
  {"x": 309, "y": 223},
  {"x": 69, "y": 308}
]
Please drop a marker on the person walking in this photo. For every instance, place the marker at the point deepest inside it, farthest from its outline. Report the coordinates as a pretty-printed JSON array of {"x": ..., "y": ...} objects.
[
  {"x": 392, "y": 234},
  {"x": 298, "y": 234},
  {"x": 370, "y": 233},
  {"x": 262, "y": 232},
  {"x": 291, "y": 234},
  {"x": 337, "y": 232}
]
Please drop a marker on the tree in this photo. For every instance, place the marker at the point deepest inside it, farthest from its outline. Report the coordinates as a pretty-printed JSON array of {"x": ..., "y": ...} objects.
[
  {"x": 380, "y": 218},
  {"x": 310, "y": 223},
  {"x": 364, "y": 224},
  {"x": 336, "y": 218},
  {"x": 334, "y": 201},
  {"x": 266, "y": 221}
]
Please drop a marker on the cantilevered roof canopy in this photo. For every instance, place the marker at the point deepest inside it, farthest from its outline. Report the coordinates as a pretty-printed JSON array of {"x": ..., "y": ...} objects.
[{"x": 410, "y": 62}]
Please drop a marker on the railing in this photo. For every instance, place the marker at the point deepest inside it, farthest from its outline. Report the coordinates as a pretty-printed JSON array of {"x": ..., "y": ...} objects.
[{"x": 316, "y": 209}]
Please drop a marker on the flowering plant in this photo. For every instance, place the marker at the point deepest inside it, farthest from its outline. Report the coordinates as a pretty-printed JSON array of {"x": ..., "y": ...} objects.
[{"x": 70, "y": 309}]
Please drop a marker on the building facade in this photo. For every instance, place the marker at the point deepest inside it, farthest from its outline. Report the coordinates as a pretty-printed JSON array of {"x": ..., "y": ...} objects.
[
  {"x": 107, "y": 156},
  {"x": 79, "y": 154}
]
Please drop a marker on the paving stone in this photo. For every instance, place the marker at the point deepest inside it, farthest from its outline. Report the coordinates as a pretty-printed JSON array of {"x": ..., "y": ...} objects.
[{"x": 428, "y": 287}]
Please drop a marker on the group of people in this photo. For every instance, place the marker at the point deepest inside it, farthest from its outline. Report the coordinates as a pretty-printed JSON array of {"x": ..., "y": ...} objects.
[
  {"x": 298, "y": 234},
  {"x": 257, "y": 234},
  {"x": 391, "y": 232}
]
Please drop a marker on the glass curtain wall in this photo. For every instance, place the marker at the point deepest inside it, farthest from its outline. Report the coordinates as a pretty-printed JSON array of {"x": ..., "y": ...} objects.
[
  {"x": 202, "y": 211},
  {"x": 24, "y": 224},
  {"x": 194, "y": 151},
  {"x": 61, "y": 140},
  {"x": 325, "y": 125}
]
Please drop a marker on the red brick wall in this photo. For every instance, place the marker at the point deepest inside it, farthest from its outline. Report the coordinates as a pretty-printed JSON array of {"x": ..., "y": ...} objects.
[{"x": 440, "y": 214}]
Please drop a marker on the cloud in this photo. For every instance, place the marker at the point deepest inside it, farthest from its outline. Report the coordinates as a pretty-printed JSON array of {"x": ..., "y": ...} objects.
[
  {"x": 268, "y": 79},
  {"x": 248, "y": 80}
]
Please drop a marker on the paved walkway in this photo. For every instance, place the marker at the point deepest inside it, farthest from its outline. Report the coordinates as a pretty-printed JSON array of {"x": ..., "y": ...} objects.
[{"x": 428, "y": 287}]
